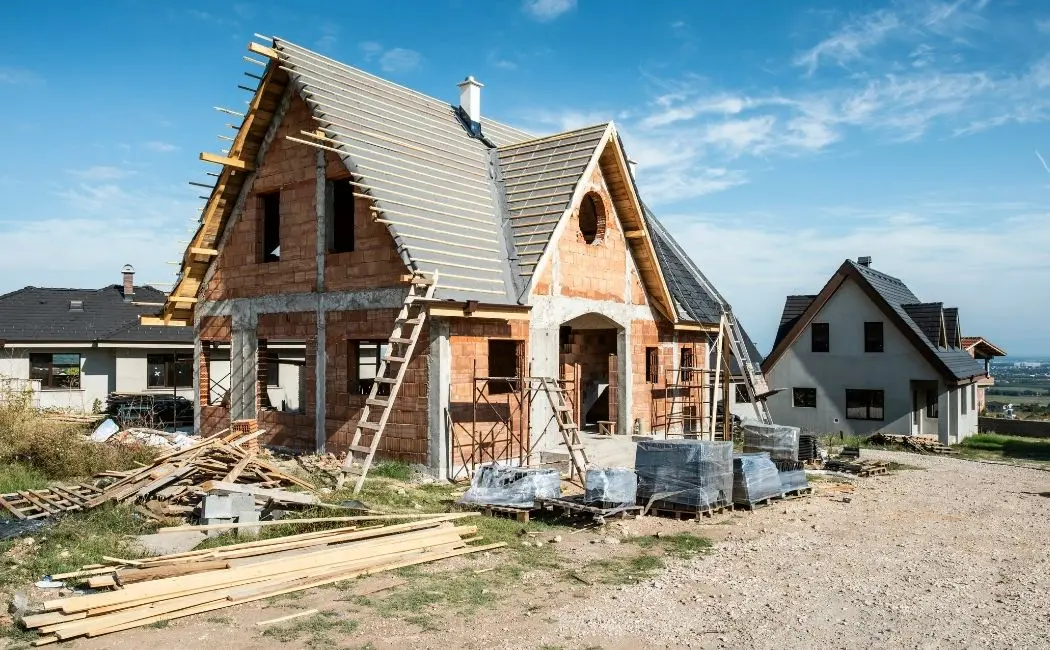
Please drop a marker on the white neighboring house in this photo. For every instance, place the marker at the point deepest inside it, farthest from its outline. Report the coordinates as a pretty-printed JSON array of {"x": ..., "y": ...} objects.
[
  {"x": 79, "y": 345},
  {"x": 865, "y": 355}
]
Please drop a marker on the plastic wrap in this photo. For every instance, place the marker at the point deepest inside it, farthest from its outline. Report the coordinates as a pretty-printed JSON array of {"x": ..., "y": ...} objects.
[
  {"x": 755, "y": 477},
  {"x": 611, "y": 486},
  {"x": 515, "y": 487},
  {"x": 793, "y": 480},
  {"x": 779, "y": 441},
  {"x": 686, "y": 473}
]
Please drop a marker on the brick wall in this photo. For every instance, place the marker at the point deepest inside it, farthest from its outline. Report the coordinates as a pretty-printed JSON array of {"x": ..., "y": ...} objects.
[
  {"x": 652, "y": 401},
  {"x": 468, "y": 339},
  {"x": 290, "y": 168},
  {"x": 586, "y": 359},
  {"x": 405, "y": 437}
]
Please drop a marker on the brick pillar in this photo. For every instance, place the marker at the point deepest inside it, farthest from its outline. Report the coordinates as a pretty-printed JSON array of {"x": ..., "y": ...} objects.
[
  {"x": 262, "y": 366},
  {"x": 203, "y": 374}
]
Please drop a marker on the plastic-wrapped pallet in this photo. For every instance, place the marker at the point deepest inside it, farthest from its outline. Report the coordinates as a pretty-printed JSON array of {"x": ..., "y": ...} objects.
[
  {"x": 686, "y": 473},
  {"x": 515, "y": 487},
  {"x": 755, "y": 478},
  {"x": 807, "y": 446},
  {"x": 611, "y": 486},
  {"x": 794, "y": 479},
  {"x": 781, "y": 442}
]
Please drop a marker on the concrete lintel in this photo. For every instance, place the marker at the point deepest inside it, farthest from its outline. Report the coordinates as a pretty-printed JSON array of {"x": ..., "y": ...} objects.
[
  {"x": 387, "y": 298},
  {"x": 552, "y": 311}
]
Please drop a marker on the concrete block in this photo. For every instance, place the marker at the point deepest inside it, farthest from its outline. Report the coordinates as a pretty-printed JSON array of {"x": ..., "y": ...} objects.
[
  {"x": 216, "y": 520},
  {"x": 227, "y": 505},
  {"x": 168, "y": 543},
  {"x": 245, "y": 518}
]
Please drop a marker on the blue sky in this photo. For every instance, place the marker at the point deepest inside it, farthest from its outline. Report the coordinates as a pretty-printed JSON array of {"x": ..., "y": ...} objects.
[{"x": 775, "y": 139}]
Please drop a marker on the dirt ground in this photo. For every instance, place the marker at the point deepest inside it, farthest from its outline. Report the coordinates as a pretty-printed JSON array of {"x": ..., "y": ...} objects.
[{"x": 954, "y": 554}]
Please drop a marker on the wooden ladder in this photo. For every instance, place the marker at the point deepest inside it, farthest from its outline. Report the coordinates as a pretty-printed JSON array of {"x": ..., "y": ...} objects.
[
  {"x": 403, "y": 339},
  {"x": 570, "y": 432}
]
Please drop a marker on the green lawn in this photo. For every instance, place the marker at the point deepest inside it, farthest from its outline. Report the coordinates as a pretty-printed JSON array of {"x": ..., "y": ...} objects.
[{"x": 993, "y": 444}]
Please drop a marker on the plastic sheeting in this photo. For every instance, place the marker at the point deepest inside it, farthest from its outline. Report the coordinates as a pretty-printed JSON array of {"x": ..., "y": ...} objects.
[
  {"x": 755, "y": 477},
  {"x": 688, "y": 473},
  {"x": 793, "y": 480},
  {"x": 515, "y": 487},
  {"x": 779, "y": 441},
  {"x": 611, "y": 485}
]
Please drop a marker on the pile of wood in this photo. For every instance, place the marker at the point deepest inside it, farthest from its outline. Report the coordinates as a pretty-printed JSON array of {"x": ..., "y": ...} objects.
[
  {"x": 73, "y": 418},
  {"x": 856, "y": 466},
  {"x": 173, "y": 485},
  {"x": 163, "y": 588},
  {"x": 918, "y": 444}
]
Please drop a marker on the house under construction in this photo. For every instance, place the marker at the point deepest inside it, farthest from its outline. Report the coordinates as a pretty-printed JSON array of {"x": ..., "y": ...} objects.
[{"x": 380, "y": 272}]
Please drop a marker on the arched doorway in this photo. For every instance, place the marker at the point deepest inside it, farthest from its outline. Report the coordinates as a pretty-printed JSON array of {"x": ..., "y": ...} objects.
[{"x": 589, "y": 364}]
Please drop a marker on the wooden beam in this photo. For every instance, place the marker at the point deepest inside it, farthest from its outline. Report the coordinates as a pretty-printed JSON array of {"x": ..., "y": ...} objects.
[
  {"x": 153, "y": 320},
  {"x": 262, "y": 50},
  {"x": 209, "y": 252},
  {"x": 696, "y": 327},
  {"x": 459, "y": 311},
  {"x": 230, "y": 162},
  {"x": 188, "y": 299},
  {"x": 634, "y": 234}
]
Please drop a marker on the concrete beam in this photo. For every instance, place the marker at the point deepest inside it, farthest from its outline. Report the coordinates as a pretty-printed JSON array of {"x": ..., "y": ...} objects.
[
  {"x": 439, "y": 380},
  {"x": 388, "y": 298}
]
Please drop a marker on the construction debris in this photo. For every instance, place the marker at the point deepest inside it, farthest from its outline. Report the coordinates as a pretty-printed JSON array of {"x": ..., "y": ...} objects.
[
  {"x": 858, "y": 467},
  {"x": 918, "y": 444},
  {"x": 513, "y": 487},
  {"x": 168, "y": 587}
]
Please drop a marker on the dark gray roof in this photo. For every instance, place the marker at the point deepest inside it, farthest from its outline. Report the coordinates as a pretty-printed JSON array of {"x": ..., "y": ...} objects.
[
  {"x": 956, "y": 361},
  {"x": 42, "y": 314},
  {"x": 929, "y": 317},
  {"x": 540, "y": 176},
  {"x": 695, "y": 297},
  {"x": 794, "y": 306}
]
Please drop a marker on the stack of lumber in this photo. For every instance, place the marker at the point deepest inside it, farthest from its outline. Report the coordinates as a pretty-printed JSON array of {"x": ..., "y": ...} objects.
[
  {"x": 172, "y": 586},
  {"x": 176, "y": 481},
  {"x": 858, "y": 467},
  {"x": 73, "y": 418},
  {"x": 918, "y": 444}
]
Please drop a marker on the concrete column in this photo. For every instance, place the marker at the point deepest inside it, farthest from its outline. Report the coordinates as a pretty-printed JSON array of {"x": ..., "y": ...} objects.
[
  {"x": 625, "y": 395},
  {"x": 543, "y": 359},
  {"x": 198, "y": 352},
  {"x": 439, "y": 378},
  {"x": 243, "y": 374},
  {"x": 321, "y": 346}
]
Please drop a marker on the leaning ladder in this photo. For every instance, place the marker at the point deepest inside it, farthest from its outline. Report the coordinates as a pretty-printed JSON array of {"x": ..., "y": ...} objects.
[
  {"x": 399, "y": 353},
  {"x": 754, "y": 380},
  {"x": 570, "y": 432}
]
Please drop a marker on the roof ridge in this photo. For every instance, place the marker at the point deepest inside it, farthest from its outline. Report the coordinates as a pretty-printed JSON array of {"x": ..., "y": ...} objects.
[{"x": 555, "y": 136}]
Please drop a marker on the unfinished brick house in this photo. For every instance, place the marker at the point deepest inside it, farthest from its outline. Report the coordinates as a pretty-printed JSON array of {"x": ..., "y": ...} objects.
[{"x": 342, "y": 193}]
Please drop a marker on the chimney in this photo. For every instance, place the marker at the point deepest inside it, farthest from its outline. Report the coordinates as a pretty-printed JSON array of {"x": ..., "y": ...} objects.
[
  {"x": 864, "y": 261},
  {"x": 470, "y": 99},
  {"x": 129, "y": 282}
]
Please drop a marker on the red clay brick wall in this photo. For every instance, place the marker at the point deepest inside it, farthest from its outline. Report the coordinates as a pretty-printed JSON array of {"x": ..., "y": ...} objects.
[
  {"x": 213, "y": 418},
  {"x": 468, "y": 338},
  {"x": 653, "y": 398},
  {"x": 290, "y": 168},
  {"x": 405, "y": 437},
  {"x": 591, "y": 350}
]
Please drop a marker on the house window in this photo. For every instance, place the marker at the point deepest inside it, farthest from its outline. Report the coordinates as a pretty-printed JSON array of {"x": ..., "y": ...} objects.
[
  {"x": 864, "y": 404},
  {"x": 687, "y": 364},
  {"x": 504, "y": 361},
  {"x": 820, "y": 337},
  {"x": 168, "y": 371},
  {"x": 341, "y": 217},
  {"x": 591, "y": 218},
  {"x": 55, "y": 370},
  {"x": 270, "y": 206},
  {"x": 932, "y": 408},
  {"x": 273, "y": 369},
  {"x": 368, "y": 355},
  {"x": 652, "y": 365},
  {"x": 962, "y": 400},
  {"x": 873, "y": 336},
  {"x": 804, "y": 398}
]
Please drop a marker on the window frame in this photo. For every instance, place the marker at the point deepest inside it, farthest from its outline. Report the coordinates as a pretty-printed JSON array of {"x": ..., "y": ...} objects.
[
  {"x": 933, "y": 405},
  {"x": 871, "y": 342},
  {"x": 51, "y": 374},
  {"x": 170, "y": 375},
  {"x": 269, "y": 226},
  {"x": 652, "y": 365},
  {"x": 362, "y": 386},
  {"x": 826, "y": 339},
  {"x": 341, "y": 222},
  {"x": 501, "y": 386},
  {"x": 795, "y": 401},
  {"x": 963, "y": 410},
  {"x": 869, "y": 404},
  {"x": 687, "y": 360}
]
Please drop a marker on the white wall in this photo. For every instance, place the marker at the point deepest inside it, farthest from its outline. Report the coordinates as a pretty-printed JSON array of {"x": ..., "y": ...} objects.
[
  {"x": 131, "y": 371},
  {"x": 847, "y": 365}
]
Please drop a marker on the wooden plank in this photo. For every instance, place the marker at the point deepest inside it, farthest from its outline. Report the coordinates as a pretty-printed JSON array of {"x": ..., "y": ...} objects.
[
  {"x": 235, "y": 163},
  {"x": 262, "y": 50},
  {"x": 12, "y": 509},
  {"x": 238, "y": 468},
  {"x": 282, "y": 619},
  {"x": 318, "y": 520},
  {"x": 277, "y": 495}
]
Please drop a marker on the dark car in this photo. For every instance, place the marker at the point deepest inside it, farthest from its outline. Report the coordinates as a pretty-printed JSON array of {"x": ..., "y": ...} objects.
[{"x": 149, "y": 410}]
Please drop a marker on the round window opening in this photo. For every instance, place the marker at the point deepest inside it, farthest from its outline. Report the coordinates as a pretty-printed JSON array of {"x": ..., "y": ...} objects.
[{"x": 592, "y": 219}]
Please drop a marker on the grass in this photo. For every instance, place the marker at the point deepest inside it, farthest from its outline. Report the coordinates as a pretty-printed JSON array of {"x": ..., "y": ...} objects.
[
  {"x": 15, "y": 477},
  {"x": 16, "y": 637},
  {"x": 996, "y": 445},
  {"x": 680, "y": 545},
  {"x": 76, "y": 540},
  {"x": 392, "y": 469},
  {"x": 317, "y": 628},
  {"x": 625, "y": 570}
]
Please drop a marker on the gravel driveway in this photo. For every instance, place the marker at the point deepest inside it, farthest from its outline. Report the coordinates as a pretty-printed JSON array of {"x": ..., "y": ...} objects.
[{"x": 954, "y": 555}]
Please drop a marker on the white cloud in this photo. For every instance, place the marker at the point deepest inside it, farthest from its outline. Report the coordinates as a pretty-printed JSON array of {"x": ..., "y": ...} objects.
[
  {"x": 19, "y": 76},
  {"x": 567, "y": 120},
  {"x": 100, "y": 173},
  {"x": 850, "y": 41},
  {"x": 391, "y": 60},
  {"x": 678, "y": 183},
  {"x": 545, "y": 10},
  {"x": 785, "y": 259},
  {"x": 400, "y": 59},
  {"x": 1043, "y": 25},
  {"x": 739, "y": 136},
  {"x": 162, "y": 147}
]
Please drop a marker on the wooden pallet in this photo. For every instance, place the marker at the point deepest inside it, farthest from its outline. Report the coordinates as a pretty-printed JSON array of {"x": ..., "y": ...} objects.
[
  {"x": 501, "y": 512},
  {"x": 859, "y": 467},
  {"x": 754, "y": 505},
  {"x": 671, "y": 510},
  {"x": 573, "y": 506},
  {"x": 36, "y": 504},
  {"x": 797, "y": 493}
]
